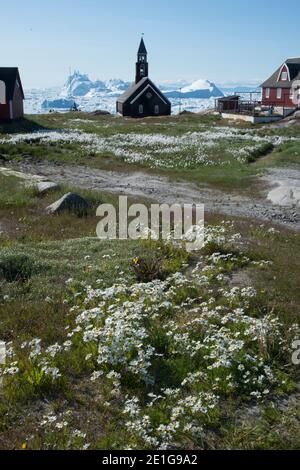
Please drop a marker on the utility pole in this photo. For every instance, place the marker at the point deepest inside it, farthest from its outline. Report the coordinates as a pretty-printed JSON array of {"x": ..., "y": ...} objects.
[{"x": 180, "y": 100}]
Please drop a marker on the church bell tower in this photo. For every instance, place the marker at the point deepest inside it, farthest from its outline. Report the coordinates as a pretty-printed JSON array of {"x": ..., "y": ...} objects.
[{"x": 142, "y": 64}]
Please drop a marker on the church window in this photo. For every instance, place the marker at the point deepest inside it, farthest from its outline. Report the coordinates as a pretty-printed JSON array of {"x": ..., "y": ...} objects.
[
  {"x": 156, "y": 109},
  {"x": 141, "y": 109},
  {"x": 149, "y": 95}
]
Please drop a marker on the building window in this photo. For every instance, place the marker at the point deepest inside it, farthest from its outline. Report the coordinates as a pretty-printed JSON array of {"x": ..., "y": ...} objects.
[
  {"x": 267, "y": 92},
  {"x": 279, "y": 93},
  {"x": 156, "y": 109},
  {"x": 2, "y": 92},
  {"x": 284, "y": 76},
  {"x": 141, "y": 109},
  {"x": 149, "y": 95}
]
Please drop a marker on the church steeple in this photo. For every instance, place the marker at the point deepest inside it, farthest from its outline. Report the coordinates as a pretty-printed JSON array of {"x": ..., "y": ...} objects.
[
  {"x": 142, "y": 64},
  {"x": 142, "y": 48}
]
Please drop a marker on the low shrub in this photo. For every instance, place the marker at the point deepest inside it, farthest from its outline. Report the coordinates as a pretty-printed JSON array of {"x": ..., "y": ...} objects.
[
  {"x": 16, "y": 268},
  {"x": 147, "y": 269},
  {"x": 260, "y": 151}
]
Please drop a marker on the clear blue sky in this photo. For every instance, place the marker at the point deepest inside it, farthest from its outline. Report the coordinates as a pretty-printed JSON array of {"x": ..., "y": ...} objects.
[{"x": 221, "y": 40}]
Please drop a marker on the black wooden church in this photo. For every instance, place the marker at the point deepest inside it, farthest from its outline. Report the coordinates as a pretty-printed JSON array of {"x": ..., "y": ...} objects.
[{"x": 143, "y": 98}]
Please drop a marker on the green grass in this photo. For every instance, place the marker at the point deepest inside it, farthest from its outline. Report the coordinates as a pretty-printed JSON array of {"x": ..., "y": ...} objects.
[
  {"x": 62, "y": 247},
  {"x": 29, "y": 124},
  {"x": 24, "y": 218},
  {"x": 285, "y": 155},
  {"x": 183, "y": 164},
  {"x": 234, "y": 175},
  {"x": 272, "y": 429},
  {"x": 56, "y": 262}
]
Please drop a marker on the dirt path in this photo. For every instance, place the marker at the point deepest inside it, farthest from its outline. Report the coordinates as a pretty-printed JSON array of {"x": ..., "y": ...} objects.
[{"x": 161, "y": 189}]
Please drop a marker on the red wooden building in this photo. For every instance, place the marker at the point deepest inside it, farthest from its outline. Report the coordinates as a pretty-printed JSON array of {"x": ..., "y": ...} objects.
[
  {"x": 282, "y": 89},
  {"x": 11, "y": 94}
]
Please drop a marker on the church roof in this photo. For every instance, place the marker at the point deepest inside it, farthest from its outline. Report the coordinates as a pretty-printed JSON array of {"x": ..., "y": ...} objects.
[
  {"x": 142, "y": 48},
  {"x": 133, "y": 89}
]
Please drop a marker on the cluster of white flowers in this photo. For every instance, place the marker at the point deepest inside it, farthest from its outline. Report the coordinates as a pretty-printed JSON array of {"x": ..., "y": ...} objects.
[
  {"x": 50, "y": 419},
  {"x": 207, "y": 336},
  {"x": 53, "y": 372},
  {"x": 182, "y": 415},
  {"x": 13, "y": 369},
  {"x": 157, "y": 150},
  {"x": 58, "y": 424},
  {"x": 214, "y": 329},
  {"x": 40, "y": 358}
]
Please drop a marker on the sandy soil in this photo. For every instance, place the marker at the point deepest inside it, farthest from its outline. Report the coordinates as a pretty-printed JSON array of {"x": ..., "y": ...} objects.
[{"x": 162, "y": 189}]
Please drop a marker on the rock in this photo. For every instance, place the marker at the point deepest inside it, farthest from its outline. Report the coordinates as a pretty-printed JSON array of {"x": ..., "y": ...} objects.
[
  {"x": 70, "y": 202},
  {"x": 45, "y": 186},
  {"x": 297, "y": 115},
  {"x": 19, "y": 174},
  {"x": 182, "y": 113},
  {"x": 3, "y": 158},
  {"x": 100, "y": 112},
  {"x": 284, "y": 195}
]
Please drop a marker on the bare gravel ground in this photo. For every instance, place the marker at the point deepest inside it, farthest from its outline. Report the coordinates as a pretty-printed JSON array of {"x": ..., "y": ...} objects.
[{"x": 163, "y": 190}]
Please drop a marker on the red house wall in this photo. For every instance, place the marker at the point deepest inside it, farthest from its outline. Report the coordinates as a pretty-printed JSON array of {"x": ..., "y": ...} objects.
[
  {"x": 4, "y": 111},
  {"x": 285, "y": 99}
]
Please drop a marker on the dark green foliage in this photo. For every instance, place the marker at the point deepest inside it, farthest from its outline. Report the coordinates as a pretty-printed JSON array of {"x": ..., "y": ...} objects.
[
  {"x": 16, "y": 268},
  {"x": 261, "y": 151}
]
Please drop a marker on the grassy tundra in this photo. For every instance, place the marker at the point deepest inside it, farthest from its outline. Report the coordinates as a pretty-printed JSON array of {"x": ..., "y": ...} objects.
[
  {"x": 114, "y": 345},
  {"x": 200, "y": 149}
]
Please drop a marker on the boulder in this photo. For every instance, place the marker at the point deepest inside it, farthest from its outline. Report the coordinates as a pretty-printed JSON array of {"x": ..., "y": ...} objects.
[
  {"x": 297, "y": 115},
  {"x": 182, "y": 113},
  {"x": 284, "y": 195},
  {"x": 45, "y": 186},
  {"x": 70, "y": 202},
  {"x": 100, "y": 112}
]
